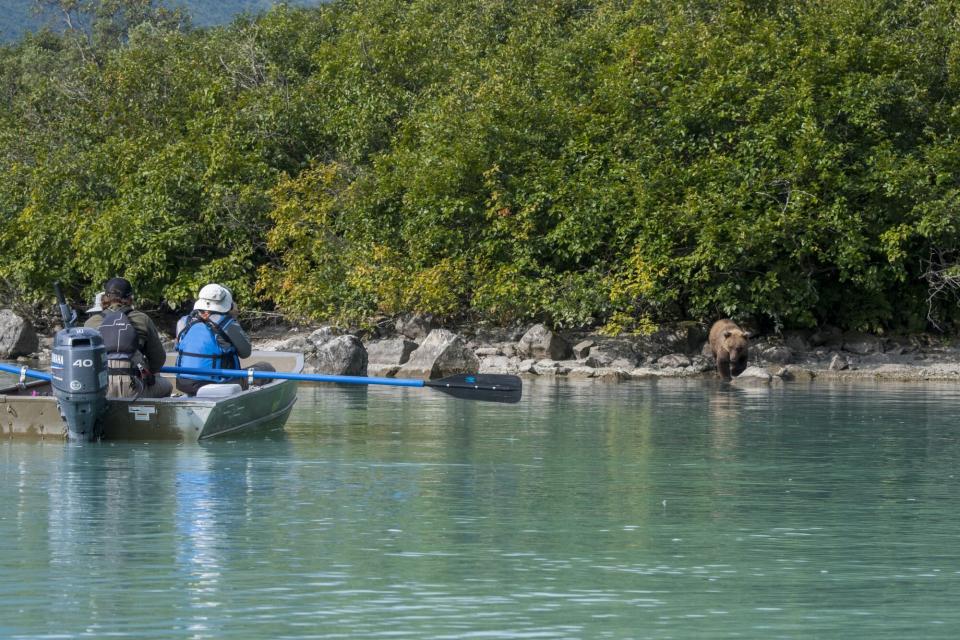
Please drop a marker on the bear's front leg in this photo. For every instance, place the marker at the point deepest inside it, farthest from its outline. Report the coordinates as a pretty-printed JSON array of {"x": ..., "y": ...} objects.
[{"x": 723, "y": 366}]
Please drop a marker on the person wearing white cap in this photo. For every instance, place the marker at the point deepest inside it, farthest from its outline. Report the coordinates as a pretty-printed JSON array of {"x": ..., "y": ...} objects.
[{"x": 210, "y": 338}]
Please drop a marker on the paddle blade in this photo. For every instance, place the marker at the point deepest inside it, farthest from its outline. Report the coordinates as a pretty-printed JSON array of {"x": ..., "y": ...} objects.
[{"x": 475, "y": 386}]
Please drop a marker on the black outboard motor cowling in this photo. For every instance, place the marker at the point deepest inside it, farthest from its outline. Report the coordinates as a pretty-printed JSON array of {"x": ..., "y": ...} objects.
[{"x": 79, "y": 369}]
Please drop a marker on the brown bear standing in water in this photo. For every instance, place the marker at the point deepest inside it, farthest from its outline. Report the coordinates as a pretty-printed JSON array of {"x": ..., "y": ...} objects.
[{"x": 729, "y": 345}]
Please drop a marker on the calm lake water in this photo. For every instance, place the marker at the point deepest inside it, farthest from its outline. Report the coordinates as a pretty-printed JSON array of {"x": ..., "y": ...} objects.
[{"x": 666, "y": 509}]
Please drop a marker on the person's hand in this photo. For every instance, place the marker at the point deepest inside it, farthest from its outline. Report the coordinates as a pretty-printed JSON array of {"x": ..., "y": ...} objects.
[{"x": 147, "y": 376}]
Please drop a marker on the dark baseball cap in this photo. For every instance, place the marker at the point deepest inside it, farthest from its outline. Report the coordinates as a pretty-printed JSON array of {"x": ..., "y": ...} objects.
[{"x": 118, "y": 287}]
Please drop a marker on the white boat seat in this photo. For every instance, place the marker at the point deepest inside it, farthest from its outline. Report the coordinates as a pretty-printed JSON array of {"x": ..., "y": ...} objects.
[{"x": 218, "y": 390}]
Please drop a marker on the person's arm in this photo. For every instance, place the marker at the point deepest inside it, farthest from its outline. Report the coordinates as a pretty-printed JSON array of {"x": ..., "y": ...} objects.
[
  {"x": 239, "y": 339},
  {"x": 152, "y": 348},
  {"x": 156, "y": 354}
]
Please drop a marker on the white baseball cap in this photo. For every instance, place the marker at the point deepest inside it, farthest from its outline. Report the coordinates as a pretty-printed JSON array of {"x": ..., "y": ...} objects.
[{"x": 214, "y": 297}]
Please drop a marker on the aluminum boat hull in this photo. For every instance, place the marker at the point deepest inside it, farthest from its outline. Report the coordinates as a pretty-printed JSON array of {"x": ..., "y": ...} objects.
[{"x": 30, "y": 410}]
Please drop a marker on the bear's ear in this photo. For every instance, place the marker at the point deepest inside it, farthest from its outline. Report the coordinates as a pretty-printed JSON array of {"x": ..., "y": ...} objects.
[
  {"x": 726, "y": 334},
  {"x": 747, "y": 334}
]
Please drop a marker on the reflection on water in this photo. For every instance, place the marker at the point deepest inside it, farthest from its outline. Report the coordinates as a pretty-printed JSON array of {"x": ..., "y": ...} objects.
[{"x": 670, "y": 509}]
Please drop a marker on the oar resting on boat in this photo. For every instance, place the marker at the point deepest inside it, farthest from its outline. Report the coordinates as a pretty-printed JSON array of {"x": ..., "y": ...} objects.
[{"x": 470, "y": 386}]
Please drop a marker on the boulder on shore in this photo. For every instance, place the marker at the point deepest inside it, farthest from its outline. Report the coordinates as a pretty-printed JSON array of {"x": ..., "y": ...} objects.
[
  {"x": 415, "y": 326},
  {"x": 385, "y": 357},
  {"x": 17, "y": 336},
  {"x": 392, "y": 351},
  {"x": 342, "y": 356},
  {"x": 442, "y": 353},
  {"x": 541, "y": 343},
  {"x": 616, "y": 353}
]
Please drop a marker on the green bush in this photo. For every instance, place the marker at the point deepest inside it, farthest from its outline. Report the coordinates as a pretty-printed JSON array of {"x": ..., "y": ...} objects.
[{"x": 583, "y": 162}]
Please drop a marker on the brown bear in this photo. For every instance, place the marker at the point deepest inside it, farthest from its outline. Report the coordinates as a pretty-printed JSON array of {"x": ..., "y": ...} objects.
[{"x": 729, "y": 345}]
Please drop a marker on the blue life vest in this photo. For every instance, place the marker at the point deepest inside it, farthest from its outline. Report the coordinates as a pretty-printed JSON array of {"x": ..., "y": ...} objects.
[{"x": 199, "y": 348}]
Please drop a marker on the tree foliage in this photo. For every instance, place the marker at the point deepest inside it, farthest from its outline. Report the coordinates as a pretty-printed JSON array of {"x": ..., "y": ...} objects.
[{"x": 587, "y": 162}]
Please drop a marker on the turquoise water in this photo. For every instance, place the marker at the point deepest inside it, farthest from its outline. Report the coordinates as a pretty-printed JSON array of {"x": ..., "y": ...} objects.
[{"x": 666, "y": 509}]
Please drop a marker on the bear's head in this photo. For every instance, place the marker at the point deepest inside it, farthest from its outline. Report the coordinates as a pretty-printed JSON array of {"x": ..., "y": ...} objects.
[{"x": 736, "y": 343}]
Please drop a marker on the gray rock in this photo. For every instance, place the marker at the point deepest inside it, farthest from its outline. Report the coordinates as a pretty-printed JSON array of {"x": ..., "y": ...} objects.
[
  {"x": 550, "y": 368},
  {"x": 900, "y": 345},
  {"x": 382, "y": 370},
  {"x": 484, "y": 352},
  {"x": 700, "y": 364},
  {"x": 822, "y": 353},
  {"x": 442, "y": 353},
  {"x": 839, "y": 363},
  {"x": 486, "y": 334},
  {"x": 321, "y": 336},
  {"x": 497, "y": 364},
  {"x": 416, "y": 326},
  {"x": 641, "y": 373},
  {"x": 609, "y": 353},
  {"x": 17, "y": 336},
  {"x": 540, "y": 343},
  {"x": 777, "y": 354},
  {"x": 526, "y": 366},
  {"x": 793, "y": 372},
  {"x": 343, "y": 355},
  {"x": 608, "y": 374},
  {"x": 755, "y": 374},
  {"x": 582, "y": 349},
  {"x": 297, "y": 343},
  {"x": 862, "y": 343},
  {"x": 673, "y": 361},
  {"x": 392, "y": 351}
]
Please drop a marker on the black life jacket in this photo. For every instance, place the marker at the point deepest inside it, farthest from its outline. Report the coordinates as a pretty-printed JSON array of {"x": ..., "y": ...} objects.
[{"x": 120, "y": 339}]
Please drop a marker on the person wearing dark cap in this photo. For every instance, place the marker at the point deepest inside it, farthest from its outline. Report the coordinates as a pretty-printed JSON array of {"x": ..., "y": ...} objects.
[{"x": 134, "y": 349}]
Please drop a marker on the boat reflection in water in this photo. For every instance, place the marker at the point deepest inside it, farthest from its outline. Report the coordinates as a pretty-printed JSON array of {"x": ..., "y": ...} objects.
[{"x": 173, "y": 511}]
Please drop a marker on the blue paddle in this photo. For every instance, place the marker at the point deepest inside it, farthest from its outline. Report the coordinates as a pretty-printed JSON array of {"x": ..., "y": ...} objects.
[
  {"x": 470, "y": 386},
  {"x": 24, "y": 372},
  {"x": 488, "y": 387}
]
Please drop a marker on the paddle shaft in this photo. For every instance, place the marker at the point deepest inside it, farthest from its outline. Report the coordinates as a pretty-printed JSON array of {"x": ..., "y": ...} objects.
[
  {"x": 486, "y": 387},
  {"x": 243, "y": 373},
  {"x": 497, "y": 388},
  {"x": 280, "y": 375},
  {"x": 23, "y": 371}
]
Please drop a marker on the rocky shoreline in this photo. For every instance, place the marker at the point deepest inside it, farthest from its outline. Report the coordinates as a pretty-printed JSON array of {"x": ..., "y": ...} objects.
[
  {"x": 415, "y": 347},
  {"x": 418, "y": 347}
]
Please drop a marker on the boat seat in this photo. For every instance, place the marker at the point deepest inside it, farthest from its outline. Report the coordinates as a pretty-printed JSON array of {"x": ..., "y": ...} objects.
[{"x": 218, "y": 390}]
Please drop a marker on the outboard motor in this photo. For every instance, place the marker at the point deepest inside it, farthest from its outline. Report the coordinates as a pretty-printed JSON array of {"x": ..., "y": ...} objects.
[{"x": 79, "y": 370}]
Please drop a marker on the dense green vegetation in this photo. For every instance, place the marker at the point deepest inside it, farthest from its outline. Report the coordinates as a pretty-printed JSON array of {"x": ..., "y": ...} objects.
[{"x": 589, "y": 162}]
